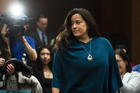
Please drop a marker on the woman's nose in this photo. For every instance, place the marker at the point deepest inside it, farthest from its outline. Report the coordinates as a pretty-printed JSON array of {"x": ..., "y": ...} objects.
[{"x": 74, "y": 26}]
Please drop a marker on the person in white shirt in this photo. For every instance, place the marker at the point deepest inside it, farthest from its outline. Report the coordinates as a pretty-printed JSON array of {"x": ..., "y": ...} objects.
[{"x": 130, "y": 79}]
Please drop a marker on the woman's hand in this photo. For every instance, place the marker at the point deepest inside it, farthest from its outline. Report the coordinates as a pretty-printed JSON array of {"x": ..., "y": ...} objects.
[
  {"x": 55, "y": 90},
  {"x": 2, "y": 60},
  {"x": 10, "y": 68}
]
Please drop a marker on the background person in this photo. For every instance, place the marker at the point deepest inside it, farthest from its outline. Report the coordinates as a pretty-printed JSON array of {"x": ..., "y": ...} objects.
[
  {"x": 5, "y": 53},
  {"x": 39, "y": 34},
  {"x": 42, "y": 69},
  {"x": 20, "y": 44},
  {"x": 130, "y": 79}
]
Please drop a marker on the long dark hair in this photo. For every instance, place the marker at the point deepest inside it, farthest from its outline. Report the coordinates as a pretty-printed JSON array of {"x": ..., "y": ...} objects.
[
  {"x": 38, "y": 61},
  {"x": 125, "y": 57},
  {"x": 4, "y": 47},
  {"x": 66, "y": 38}
]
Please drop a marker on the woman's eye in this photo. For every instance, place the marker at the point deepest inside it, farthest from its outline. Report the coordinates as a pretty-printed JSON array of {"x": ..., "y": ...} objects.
[
  {"x": 78, "y": 22},
  {"x": 45, "y": 53}
]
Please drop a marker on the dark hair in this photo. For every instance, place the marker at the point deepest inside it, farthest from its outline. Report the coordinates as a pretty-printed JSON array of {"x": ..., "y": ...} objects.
[
  {"x": 66, "y": 37},
  {"x": 124, "y": 56},
  {"x": 121, "y": 46},
  {"x": 39, "y": 63},
  {"x": 3, "y": 47},
  {"x": 41, "y": 16}
]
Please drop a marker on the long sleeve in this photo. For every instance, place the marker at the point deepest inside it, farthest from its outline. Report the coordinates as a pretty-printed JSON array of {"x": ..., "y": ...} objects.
[
  {"x": 56, "y": 82},
  {"x": 131, "y": 83},
  {"x": 116, "y": 82}
]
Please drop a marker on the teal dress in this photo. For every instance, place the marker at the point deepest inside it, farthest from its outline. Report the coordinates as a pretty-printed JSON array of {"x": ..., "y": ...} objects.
[{"x": 73, "y": 73}]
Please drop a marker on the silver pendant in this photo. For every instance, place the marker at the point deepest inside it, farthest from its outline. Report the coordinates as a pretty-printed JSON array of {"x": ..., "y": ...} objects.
[{"x": 89, "y": 58}]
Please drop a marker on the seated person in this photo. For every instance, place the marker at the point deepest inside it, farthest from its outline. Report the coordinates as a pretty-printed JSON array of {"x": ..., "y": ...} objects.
[{"x": 130, "y": 79}]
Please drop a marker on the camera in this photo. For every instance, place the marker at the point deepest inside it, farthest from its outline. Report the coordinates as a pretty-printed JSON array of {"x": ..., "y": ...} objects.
[
  {"x": 15, "y": 25},
  {"x": 19, "y": 67}
]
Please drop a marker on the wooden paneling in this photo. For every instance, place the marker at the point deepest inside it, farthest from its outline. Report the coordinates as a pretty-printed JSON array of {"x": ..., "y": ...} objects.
[{"x": 136, "y": 31}]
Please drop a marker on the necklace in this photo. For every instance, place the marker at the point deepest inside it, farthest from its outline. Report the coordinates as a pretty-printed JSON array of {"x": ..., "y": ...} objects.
[{"x": 89, "y": 57}]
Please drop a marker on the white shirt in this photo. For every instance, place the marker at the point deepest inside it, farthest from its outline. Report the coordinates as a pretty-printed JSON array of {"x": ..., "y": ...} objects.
[
  {"x": 40, "y": 36},
  {"x": 131, "y": 82}
]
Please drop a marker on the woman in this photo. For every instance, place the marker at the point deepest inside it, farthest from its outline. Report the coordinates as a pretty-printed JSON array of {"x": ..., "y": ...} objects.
[
  {"x": 42, "y": 69},
  {"x": 4, "y": 56},
  {"x": 130, "y": 79},
  {"x": 5, "y": 53},
  {"x": 84, "y": 62}
]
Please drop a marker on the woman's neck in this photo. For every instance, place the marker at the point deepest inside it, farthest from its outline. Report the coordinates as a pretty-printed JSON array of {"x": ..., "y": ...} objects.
[
  {"x": 123, "y": 73},
  {"x": 47, "y": 72},
  {"x": 84, "y": 39},
  {"x": 46, "y": 68}
]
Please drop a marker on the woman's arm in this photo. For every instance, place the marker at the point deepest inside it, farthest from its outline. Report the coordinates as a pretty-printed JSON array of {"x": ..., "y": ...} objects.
[
  {"x": 30, "y": 51},
  {"x": 57, "y": 74},
  {"x": 55, "y": 90}
]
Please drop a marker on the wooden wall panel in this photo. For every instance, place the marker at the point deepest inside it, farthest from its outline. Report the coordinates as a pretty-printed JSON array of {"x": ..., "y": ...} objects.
[{"x": 136, "y": 31}]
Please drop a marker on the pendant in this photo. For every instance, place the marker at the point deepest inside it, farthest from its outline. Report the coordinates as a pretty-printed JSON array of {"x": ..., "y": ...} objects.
[{"x": 89, "y": 58}]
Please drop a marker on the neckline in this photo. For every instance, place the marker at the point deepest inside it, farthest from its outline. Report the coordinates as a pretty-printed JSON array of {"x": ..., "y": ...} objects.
[
  {"x": 78, "y": 44},
  {"x": 85, "y": 42}
]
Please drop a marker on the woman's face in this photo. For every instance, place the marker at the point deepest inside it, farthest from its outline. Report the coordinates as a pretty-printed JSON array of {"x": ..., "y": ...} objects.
[
  {"x": 45, "y": 56},
  {"x": 79, "y": 26},
  {"x": 121, "y": 64}
]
